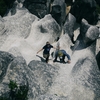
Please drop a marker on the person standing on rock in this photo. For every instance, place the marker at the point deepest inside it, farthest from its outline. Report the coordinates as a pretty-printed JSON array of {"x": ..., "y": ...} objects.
[{"x": 46, "y": 52}]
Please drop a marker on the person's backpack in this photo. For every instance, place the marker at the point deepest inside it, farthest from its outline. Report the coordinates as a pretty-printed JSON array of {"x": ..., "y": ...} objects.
[{"x": 60, "y": 54}]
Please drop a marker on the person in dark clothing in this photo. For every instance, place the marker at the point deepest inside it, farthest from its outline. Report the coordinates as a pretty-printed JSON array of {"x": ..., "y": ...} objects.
[
  {"x": 61, "y": 54},
  {"x": 46, "y": 52}
]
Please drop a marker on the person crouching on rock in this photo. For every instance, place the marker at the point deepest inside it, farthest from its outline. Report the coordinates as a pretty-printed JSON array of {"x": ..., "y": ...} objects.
[
  {"x": 61, "y": 54},
  {"x": 46, "y": 52}
]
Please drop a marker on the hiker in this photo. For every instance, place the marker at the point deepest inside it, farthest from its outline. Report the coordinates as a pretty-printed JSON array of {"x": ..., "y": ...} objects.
[
  {"x": 61, "y": 54},
  {"x": 46, "y": 52},
  {"x": 57, "y": 47}
]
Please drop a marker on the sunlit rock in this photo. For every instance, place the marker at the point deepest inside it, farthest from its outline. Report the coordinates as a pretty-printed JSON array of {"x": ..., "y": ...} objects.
[
  {"x": 84, "y": 64},
  {"x": 25, "y": 34},
  {"x": 20, "y": 23},
  {"x": 51, "y": 97},
  {"x": 2, "y": 26}
]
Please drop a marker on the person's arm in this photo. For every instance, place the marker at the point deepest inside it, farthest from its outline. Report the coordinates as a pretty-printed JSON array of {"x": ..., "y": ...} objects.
[
  {"x": 39, "y": 50},
  {"x": 66, "y": 54},
  {"x": 54, "y": 47},
  {"x": 58, "y": 46}
]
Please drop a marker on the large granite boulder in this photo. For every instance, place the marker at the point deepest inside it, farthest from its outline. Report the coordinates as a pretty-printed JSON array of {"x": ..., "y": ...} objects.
[
  {"x": 16, "y": 71},
  {"x": 5, "y": 60},
  {"x": 38, "y": 75},
  {"x": 85, "y": 9},
  {"x": 47, "y": 26},
  {"x": 56, "y": 13},
  {"x": 86, "y": 72},
  {"x": 69, "y": 26},
  {"x": 89, "y": 33},
  {"x": 59, "y": 11},
  {"x": 38, "y": 7},
  {"x": 43, "y": 75},
  {"x": 20, "y": 23}
]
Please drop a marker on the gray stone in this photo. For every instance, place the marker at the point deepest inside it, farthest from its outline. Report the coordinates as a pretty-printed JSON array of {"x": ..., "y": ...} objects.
[
  {"x": 59, "y": 11},
  {"x": 2, "y": 26},
  {"x": 39, "y": 8},
  {"x": 20, "y": 24},
  {"x": 37, "y": 74},
  {"x": 89, "y": 33},
  {"x": 85, "y": 9},
  {"x": 80, "y": 73},
  {"x": 44, "y": 75},
  {"x": 5, "y": 60},
  {"x": 51, "y": 97},
  {"x": 49, "y": 25},
  {"x": 69, "y": 25}
]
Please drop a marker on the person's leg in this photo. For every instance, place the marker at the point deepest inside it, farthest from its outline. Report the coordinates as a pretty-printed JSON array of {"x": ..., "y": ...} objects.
[
  {"x": 55, "y": 58},
  {"x": 69, "y": 59},
  {"x": 56, "y": 55},
  {"x": 68, "y": 56},
  {"x": 63, "y": 58},
  {"x": 47, "y": 58}
]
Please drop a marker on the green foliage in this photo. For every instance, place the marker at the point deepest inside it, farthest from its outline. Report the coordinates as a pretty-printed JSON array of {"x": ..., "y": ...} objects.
[
  {"x": 12, "y": 85},
  {"x": 4, "y": 5},
  {"x": 4, "y": 98},
  {"x": 22, "y": 93},
  {"x": 16, "y": 92}
]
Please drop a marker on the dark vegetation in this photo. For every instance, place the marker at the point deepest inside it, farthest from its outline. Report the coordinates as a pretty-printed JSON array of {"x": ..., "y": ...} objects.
[
  {"x": 16, "y": 92},
  {"x": 5, "y": 5},
  {"x": 98, "y": 9}
]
